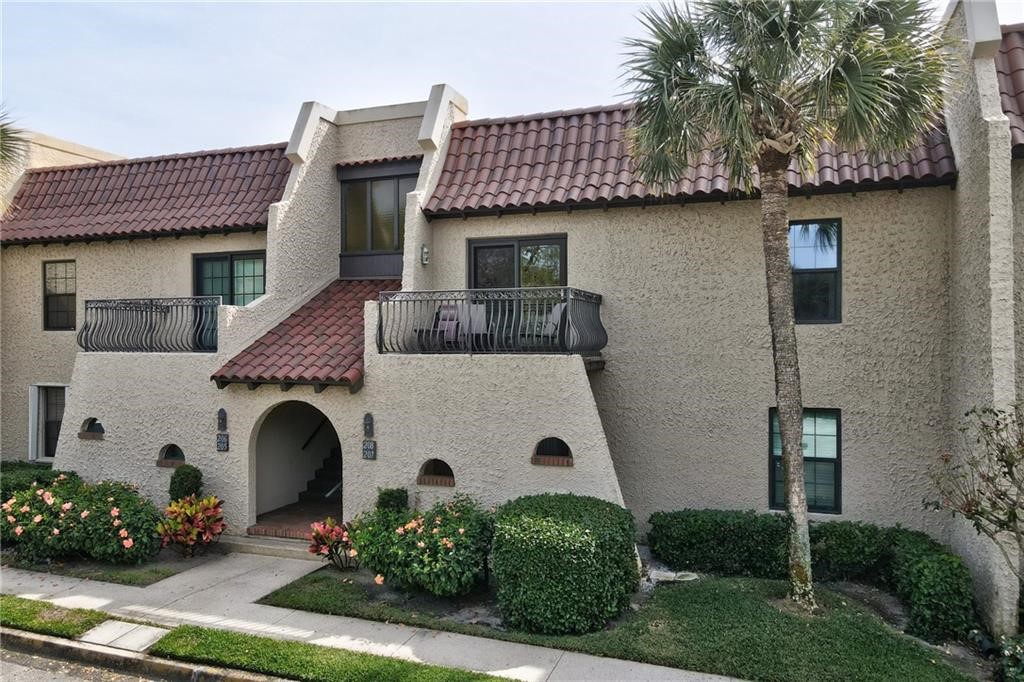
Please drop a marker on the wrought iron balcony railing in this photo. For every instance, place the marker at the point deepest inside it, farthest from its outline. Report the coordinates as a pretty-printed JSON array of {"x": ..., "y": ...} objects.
[
  {"x": 151, "y": 325},
  {"x": 527, "y": 320}
]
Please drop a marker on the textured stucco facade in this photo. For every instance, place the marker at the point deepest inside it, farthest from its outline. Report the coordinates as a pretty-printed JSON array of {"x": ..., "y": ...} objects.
[
  {"x": 981, "y": 347},
  {"x": 687, "y": 387},
  {"x": 121, "y": 269},
  {"x": 931, "y": 320}
]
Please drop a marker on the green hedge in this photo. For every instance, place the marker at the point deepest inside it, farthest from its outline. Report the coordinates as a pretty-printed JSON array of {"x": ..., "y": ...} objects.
[
  {"x": 17, "y": 475},
  {"x": 563, "y": 563},
  {"x": 393, "y": 500},
  {"x": 932, "y": 581},
  {"x": 185, "y": 481}
]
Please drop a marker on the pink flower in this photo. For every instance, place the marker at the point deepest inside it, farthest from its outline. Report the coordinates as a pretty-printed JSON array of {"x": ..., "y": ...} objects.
[
  {"x": 25, "y": 509},
  {"x": 48, "y": 497},
  {"x": 400, "y": 530},
  {"x": 462, "y": 531},
  {"x": 39, "y": 491},
  {"x": 123, "y": 532},
  {"x": 18, "y": 530},
  {"x": 62, "y": 477},
  {"x": 115, "y": 512},
  {"x": 84, "y": 513},
  {"x": 436, "y": 530},
  {"x": 421, "y": 544},
  {"x": 10, "y": 519},
  {"x": 117, "y": 522},
  {"x": 56, "y": 531},
  {"x": 37, "y": 518},
  {"x": 66, "y": 506},
  {"x": 379, "y": 579},
  {"x": 128, "y": 543}
]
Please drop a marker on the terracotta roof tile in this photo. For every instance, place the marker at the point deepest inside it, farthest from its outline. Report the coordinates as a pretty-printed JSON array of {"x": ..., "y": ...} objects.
[
  {"x": 321, "y": 342},
  {"x": 385, "y": 159},
  {"x": 207, "y": 191},
  {"x": 581, "y": 157},
  {"x": 1010, "y": 73}
]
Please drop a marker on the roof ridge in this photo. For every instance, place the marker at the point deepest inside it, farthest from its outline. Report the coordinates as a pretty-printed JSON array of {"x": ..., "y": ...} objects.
[
  {"x": 1012, "y": 28},
  {"x": 160, "y": 157},
  {"x": 543, "y": 114}
]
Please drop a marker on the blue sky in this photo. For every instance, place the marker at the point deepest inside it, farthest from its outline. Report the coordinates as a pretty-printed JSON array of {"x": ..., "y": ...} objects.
[{"x": 139, "y": 79}]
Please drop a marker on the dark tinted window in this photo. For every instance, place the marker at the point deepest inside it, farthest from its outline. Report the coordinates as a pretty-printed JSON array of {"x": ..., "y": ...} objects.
[
  {"x": 814, "y": 254},
  {"x": 59, "y": 290},
  {"x": 821, "y": 449}
]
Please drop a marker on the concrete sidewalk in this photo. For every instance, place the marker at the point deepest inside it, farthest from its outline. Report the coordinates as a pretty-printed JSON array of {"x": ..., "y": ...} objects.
[{"x": 220, "y": 593}]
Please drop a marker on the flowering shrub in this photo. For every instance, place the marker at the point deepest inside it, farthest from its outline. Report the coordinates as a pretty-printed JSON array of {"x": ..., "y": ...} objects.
[
  {"x": 1010, "y": 658},
  {"x": 332, "y": 541},
  {"x": 442, "y": 551},
  {"x": 107, "y": 521},
  {"x": 191, "y": 521}
]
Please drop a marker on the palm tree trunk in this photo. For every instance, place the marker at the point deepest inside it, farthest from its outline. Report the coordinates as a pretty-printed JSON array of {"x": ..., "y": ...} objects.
[{"x": 772, "y": 168}]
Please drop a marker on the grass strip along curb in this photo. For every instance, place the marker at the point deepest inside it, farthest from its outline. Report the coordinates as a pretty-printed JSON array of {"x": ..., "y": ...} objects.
[
  {"x": 122, "y": 661},
  {"x": 296, "y": 660},
  {"x": 54, "y": 628},
  {"x": 46, "y": 619}
]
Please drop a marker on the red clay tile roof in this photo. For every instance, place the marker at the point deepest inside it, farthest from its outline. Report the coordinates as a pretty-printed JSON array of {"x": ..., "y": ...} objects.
[
  {"x": 223, "y": 190},
  {"x": 1010, "y": 72},
  {"x": 320, "y": 343},
  {"x": 580, "y": 158},
  {"x": 386, "y": 159}
]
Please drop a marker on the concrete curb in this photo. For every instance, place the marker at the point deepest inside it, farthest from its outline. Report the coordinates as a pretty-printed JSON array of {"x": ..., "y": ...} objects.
[{"x": 120, "y": 660}]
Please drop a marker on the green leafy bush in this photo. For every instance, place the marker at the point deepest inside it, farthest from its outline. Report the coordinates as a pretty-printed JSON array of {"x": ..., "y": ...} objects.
[
  {"x": 933, "y": 582},
  {"x": 192, "y": 522},
  {"x": 1010, "y": 659},
  {"x": 725, "y": 542},
  {"x": 185, "y": 481},
  {"x": 563, "y": 563},
  {"x": 107, "y": 521},
  {"x": 16, "y": 475},
  {"x": 393, "y": 499},
  {"x": 847, "y": 550},
  {"x": 442, "y": 551}
]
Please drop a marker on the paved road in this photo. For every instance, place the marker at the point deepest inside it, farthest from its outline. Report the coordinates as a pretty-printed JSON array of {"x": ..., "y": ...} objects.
[{"x": 18, "y": 667}]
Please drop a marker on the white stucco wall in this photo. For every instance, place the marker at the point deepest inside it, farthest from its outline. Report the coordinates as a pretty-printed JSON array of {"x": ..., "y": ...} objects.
[
  {"x": 1017, "y": 177},
  {"x": 120, "y": 269}
]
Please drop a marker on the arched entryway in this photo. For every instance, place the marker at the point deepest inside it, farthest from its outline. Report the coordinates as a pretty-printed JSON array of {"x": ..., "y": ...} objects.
[{"x": 296, "y": 470}]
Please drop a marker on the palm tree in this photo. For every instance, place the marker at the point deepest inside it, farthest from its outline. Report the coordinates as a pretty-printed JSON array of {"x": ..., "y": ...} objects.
[
  {"x": 763, "y": 83},
  {"x": 13, "y": 145}
]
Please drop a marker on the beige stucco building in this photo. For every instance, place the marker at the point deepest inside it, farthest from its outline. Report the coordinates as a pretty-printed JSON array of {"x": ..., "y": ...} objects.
[{"x": 548, "y": 323}]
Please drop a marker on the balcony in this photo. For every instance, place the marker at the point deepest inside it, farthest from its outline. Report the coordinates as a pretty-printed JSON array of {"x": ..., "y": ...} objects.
[
  {"x": 527, "y": 320},
  {"x": 151, "y": 325}
]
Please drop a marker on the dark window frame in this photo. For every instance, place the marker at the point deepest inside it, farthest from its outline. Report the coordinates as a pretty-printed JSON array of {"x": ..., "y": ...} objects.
[
  {"x": 517, "y": 243},
  {"x": 390, "y": 170},
  {"x": 45, "y": 393},
  {"x": 74, "y": 307},
  {"x": 230, "y": 255},
  {"x": 780, "y": 505},
  {"x": 837, "y": 271}
]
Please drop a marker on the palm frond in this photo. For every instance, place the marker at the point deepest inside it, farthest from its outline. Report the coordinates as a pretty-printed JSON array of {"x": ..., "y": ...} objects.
[{"x": 13, "y": 144}]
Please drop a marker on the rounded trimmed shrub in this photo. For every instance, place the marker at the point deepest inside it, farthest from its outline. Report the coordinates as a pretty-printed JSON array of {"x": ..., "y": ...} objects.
[
  {"x": 726, "y": 542},
  {"x": 563, "y": 563},
  {"x": 847, "y": 550},
  {"x": 186, "y": 480}
]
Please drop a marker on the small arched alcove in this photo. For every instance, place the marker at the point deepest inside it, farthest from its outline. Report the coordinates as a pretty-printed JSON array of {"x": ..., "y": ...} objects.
[
  {"x": 552, "y": 451},
  {"x": 436, "y": 472},
  {"x": 170, "y": 456},
  {"x": 91, "y": 429}
]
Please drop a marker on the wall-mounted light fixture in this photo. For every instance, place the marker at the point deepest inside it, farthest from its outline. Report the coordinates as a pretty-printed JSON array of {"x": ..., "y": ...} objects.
[{"x": 424, "y": 254}]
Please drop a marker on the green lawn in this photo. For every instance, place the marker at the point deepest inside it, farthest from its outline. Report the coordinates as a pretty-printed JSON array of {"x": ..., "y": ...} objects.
[
  {"x": 727, "y": 626},
  {"x": 296, "y": 660},
  {"x": 47, "y": 619}
]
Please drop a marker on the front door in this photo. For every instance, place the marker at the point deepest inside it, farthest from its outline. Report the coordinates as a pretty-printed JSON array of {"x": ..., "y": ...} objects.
[{"x": 516, "y": 321}]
